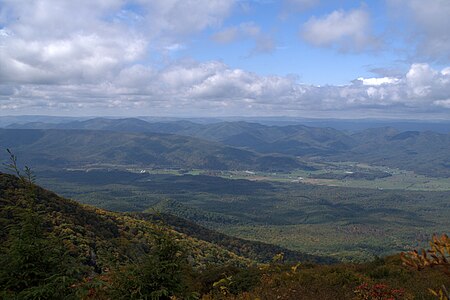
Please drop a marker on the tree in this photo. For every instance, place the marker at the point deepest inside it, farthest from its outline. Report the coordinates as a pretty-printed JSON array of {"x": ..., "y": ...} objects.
[
  {"x": 34, "y": 264},
  {"x": 160, "y": 275}
]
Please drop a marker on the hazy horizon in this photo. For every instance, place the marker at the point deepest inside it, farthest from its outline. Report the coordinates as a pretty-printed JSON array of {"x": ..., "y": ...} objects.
[{"x": 237, "y": 117}]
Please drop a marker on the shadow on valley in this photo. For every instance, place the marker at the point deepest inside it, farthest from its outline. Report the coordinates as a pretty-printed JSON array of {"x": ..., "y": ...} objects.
[{"x": 285, "y": 214}]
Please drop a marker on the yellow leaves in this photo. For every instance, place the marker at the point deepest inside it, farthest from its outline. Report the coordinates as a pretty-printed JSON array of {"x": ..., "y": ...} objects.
[
  {"x": 442, "y": 293},
  {"x": 294, "y": 268},
  {"x": 278, "y": 258},
  {"x": 437, "y": 255},
  {"x": 223, "y": 285}
]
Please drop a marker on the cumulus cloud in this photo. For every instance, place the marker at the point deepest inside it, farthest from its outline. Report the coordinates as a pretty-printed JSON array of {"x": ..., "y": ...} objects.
[
  {"x": 420, "y": 79},
  {"x": 427, "y": 23},
  {"x": 347, "y": 31},
  {"x": 48, "y": 41}
]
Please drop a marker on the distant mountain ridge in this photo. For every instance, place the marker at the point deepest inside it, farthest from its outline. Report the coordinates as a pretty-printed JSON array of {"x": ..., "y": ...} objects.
[
  {"x": 386, "y": 146},
  {"x": 292, "y": 139},
  {"x": 55, "y": 148},
  {"x": 423, "y": 152},
  {"x": 347, "y": 125}
]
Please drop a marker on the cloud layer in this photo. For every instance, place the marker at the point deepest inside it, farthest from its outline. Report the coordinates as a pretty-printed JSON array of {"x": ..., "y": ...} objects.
[
  {"x": 213, "y": 88},
  {"x": 96, "y": 61}
]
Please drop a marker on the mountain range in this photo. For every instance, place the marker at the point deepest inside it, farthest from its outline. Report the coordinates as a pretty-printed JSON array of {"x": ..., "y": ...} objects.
[
  {"x": 242, "y": 145},
  {"x": 56, "y": 148}
]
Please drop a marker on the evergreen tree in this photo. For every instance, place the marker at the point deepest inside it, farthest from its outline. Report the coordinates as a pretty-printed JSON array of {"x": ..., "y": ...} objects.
[
  {"x": 34, "y": 264},
  {"x": 159, "y": 276}
]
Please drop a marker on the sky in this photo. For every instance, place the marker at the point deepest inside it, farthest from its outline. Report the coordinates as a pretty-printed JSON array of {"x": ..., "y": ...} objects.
[{"x": 207, "y": 58}]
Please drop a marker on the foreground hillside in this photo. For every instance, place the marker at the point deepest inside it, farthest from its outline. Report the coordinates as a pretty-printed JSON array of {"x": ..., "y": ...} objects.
[
  {"x": 102, "y": 238},
  {"x": 53, "y": 248}
]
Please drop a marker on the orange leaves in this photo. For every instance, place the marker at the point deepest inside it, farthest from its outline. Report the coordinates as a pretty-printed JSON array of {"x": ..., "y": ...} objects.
[{"x": 437, "y": 255}]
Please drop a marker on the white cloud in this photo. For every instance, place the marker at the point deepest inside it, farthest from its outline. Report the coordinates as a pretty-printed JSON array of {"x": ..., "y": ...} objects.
[
  {"x": 427, "y": 23},
  {"x": 86, "y": 41},
  {"x": 174, "y": 47},
  {"x": 445, "y": 71},
  {"x": 4, "y": 33},
  {"x": 184, "y": 16},
  {"x": 189, "y": 87},
  {"x": 420, "y": 80},
  {"x": 443, "y": 103},
  {"x": 378, "y": 81},
  {"x": 347, "y": 31}
]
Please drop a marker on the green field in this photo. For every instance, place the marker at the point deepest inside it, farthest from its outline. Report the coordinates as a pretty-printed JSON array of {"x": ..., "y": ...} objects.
[{"x": 398, "y": 179}]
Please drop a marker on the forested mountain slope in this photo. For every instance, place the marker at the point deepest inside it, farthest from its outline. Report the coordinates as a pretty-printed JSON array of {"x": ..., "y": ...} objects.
[
  {"x": 101, "y": 239},
  {"x": 76, "y": 148},
  {"x": 54, "y": 248},
  {"x": 423, "y": 152},
  {"x": 386, "y": 146}
]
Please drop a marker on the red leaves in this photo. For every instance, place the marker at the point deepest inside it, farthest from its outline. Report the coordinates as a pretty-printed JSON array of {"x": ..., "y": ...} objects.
[{"x": 378, "y": 291}]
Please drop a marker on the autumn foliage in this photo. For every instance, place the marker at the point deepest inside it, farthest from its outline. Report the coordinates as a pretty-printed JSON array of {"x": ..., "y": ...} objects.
[{"x": 438, "y": 256}]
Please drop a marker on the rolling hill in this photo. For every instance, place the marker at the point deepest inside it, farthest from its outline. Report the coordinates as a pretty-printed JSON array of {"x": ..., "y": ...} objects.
[
  {"x": 77, "y": 148},
  {"x": 387, "y": 146},
  {"x": 424, "y": 152},
  {"x": 293, "y": 139}
]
